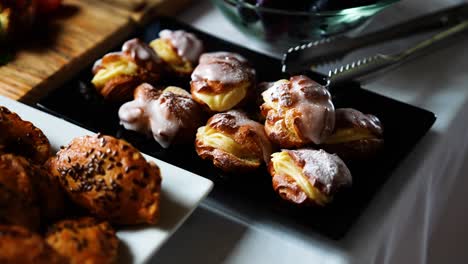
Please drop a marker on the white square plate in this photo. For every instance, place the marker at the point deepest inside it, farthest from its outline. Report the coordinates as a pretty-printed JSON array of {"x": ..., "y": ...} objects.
[{"x": 182, "y": 191}]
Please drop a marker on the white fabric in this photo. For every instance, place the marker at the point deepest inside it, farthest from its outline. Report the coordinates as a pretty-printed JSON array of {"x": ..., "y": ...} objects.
[{"x": 419, "y": 215}]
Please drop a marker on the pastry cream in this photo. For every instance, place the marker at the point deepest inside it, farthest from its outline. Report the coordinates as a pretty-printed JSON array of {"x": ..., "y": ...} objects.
[
  {"x": 215, "y": 139},
  {"x": 348, "y": 135},
  {"x": 284, "y": 164},
  {"x": 112, "y": 70},
  {"x": 224, "y": 101}
]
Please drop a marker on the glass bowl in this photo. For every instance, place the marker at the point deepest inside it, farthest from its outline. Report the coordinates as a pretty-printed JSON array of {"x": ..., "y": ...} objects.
[{"x": 286, "y": 28}]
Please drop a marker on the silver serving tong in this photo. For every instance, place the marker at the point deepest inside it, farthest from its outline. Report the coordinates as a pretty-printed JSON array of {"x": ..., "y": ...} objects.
[
  {"x": 301, "y": 58},
  {"x": 364, "y": 67}
]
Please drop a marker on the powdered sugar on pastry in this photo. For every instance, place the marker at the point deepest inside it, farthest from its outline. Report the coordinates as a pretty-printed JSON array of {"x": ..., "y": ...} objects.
[{"x": 328, "y": 170}]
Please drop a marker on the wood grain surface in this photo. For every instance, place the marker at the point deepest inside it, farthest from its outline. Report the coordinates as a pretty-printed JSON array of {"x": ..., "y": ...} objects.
[{"x": 80, "y": 34}]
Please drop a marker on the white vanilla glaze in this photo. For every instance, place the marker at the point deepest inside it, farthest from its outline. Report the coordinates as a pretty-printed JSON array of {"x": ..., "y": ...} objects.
[
  {"x": 327, "y": 169},
  {"x": 153, "y": 116},
  {"x": 310, "y": 99},
  {"x": 140, "y": 51},
  {"x": 224, "y": 67},
  {"x": 243, "y": 120},
  {"x": 188, "y": 46}
]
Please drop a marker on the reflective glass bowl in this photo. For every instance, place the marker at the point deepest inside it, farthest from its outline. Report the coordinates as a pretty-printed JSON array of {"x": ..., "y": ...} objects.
[{"x": 286, "y": 28}]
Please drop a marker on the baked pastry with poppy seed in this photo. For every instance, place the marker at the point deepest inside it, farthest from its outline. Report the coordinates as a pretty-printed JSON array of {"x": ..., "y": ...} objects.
[
  {"x": 222, "y": 81},
  {"x": 307, "y": 176},
  {"x": 18, "y": 245},
  {"x": 22, "y": 138},
  {"x": 110, "y": 178},
  {"x": 117, "y": 74},
  {"x": 180, "y": 50},
  {"x": 357, "y": 136},
  {"x": 84, "y": 240},
  {"x": 233, "y": 142},
  {"x": 298, "y": 112},
  {"x": 169, "y": 115}
]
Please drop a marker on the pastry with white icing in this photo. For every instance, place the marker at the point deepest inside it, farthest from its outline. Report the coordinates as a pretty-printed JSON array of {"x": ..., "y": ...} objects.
[
  {"x": 179, "y": 49},
  {"x": 298, "y": 112},
  {"x": 117, "y": 74},
  {"x": 222, "y": 81},
  {"x": 357, "y": 136},
  {"x": 169, "y": 115},
  {"x": 307, "y": 176},
  {"x": 233, "y": 142}
]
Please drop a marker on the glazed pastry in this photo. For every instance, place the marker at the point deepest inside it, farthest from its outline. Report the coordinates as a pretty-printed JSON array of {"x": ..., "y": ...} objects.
[
  {"x": 298, "y": 112},
  {"x": 22, "y": 138},
  {"x": 308, "y": 177},
  {"x": 110, "y": 178},
  {"x": 117, "y": 74},
  {"x": 20, "y": 246},
  {"x": 179, "y": 49},
  {"x": 356, "y": 136},
  {"x": 18, "y": 196},
  {"x": 169, "y": 115},
  {"x": 233, "y": 142},
  {"x": 222, "y": 80},
  {"x": 84, "y": 240}
]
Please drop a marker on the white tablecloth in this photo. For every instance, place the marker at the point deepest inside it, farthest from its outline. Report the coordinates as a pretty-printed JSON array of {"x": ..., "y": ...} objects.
[{"x": 419, "y": 215}]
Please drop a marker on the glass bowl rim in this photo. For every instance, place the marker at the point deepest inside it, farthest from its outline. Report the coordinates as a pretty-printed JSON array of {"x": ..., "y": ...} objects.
[{"x": 379, "y": 4}]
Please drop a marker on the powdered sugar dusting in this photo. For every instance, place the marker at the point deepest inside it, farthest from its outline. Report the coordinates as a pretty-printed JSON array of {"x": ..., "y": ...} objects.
[
  {"x": 327, "y": 169},
  {"x": 162, "y": 116}
]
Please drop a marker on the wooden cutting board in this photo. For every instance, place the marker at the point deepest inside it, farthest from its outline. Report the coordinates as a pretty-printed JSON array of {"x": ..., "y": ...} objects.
[{"x": 80, "y": 34}]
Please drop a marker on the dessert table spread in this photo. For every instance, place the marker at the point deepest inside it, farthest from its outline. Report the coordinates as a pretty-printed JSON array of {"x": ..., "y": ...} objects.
[{"x": 417, "y": 217}]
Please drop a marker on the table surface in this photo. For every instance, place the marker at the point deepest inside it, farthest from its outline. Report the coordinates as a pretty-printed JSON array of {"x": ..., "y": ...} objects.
[{"x": 416, "y": 218}]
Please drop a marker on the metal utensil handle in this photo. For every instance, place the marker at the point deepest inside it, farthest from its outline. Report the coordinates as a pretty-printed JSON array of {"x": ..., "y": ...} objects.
[
  {"x": 444, "y": 18},
  {"x": 373, "y": 64}
]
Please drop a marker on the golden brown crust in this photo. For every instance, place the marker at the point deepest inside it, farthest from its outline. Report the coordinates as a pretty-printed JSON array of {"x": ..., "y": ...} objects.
[
  {"x": 18, "y": 197},
  {"x": 20, "y": 246},
  {"x": 311, "y": 177},
  {"x": 84, "y": 240},
  {"x": 22, "y": 138},
  {"x": 361, "y": 135},
  {"x": 247, "y": 134},
  {"x": 121, "y": 86},
  {"x": 110, "y": 178},
  {"x": 298, "y": 112}
]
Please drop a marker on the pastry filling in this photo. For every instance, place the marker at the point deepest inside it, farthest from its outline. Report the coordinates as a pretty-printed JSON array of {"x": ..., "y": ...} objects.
[
  {"x": 215, "y": 139},
  {"x": 225, "y": 101},
  {"x": 348, "y": 135},
  {"x": 112, "y": 70},
  {"x": 284, "y": 165},
  {"x": 165, "y": 51}
]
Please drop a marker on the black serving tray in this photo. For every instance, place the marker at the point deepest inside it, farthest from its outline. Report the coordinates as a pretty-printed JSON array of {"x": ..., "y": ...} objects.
[{"x": 404, "y": 126}]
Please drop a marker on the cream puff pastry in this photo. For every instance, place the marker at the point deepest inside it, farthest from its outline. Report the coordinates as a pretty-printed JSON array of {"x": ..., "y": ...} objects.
[
  {"x": 222, "y": 81},
  {"x": 308, "y": 177},
  {"x": 169, "y": 115},
  {"x": 357, "y": 136},
  {"x": 233, "y": 142},
  {"x": 117, "y": 74},
  {"x": 298, "y": 112},
  {"x": 180, "y": 50}
]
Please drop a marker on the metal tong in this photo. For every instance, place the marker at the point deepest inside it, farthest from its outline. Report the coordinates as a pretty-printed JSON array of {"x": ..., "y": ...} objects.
[{"x": 301, "y": 58}]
